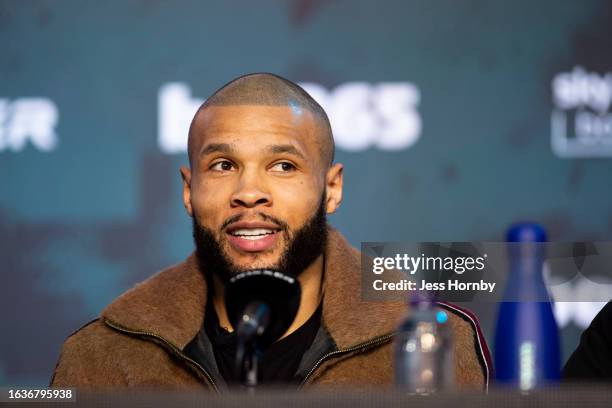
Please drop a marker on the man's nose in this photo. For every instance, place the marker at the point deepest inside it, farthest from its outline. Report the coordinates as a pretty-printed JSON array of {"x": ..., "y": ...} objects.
[{"x": 250, "y": 191}]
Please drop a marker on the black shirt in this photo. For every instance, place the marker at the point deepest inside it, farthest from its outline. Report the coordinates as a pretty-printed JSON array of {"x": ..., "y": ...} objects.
[
  {"x": 276, "y": 365},
  {"x": 592, "y": 360}
]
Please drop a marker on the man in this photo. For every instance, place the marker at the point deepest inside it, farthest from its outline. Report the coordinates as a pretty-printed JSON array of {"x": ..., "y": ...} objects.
[
  {"x": 260, "y": 183},
  {"x": 592, "y": 359}
]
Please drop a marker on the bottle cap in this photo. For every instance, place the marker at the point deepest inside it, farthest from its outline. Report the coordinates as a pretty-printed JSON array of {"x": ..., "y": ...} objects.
[{"x": 526, "y": 232}]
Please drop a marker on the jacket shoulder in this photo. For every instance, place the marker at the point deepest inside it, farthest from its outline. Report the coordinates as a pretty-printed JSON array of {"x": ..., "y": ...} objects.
[
  {"x": 90, "y": 357},
  {"x": 472, "y": 357},
  {"x": 96, "y": 356}
]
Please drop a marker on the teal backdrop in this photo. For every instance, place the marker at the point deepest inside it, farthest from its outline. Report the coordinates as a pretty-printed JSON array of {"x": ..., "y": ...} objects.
[{"x": 90, "y": 193}]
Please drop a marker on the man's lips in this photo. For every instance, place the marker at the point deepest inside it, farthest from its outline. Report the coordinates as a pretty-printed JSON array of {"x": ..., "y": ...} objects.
[{"x": 252, "y": 236}]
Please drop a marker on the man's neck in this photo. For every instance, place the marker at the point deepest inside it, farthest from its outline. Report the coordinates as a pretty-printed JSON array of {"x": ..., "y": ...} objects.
[{"x": 311, "y": 281}]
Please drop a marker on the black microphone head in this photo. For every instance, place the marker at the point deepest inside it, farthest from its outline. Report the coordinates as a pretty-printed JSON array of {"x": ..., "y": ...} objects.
[{"x": 280, "y": 292}]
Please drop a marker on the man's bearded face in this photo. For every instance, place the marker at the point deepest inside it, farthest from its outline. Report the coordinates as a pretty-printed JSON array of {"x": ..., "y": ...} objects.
[
  {"x": 301, "y": 248},
  {"x": 258, "y": 189}
]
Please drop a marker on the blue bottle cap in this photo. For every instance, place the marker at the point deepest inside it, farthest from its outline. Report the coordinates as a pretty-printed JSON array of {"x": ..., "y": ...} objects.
[
  {"x": 441, "y": 316},
  {"x": 526, "y": 232}
]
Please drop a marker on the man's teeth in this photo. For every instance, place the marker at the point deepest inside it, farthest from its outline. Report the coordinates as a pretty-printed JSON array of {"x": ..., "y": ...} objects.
[{"x": 252, "y": 233}]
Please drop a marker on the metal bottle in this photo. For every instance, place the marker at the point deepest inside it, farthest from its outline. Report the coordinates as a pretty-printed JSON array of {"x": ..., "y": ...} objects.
[{"x": 527, "y": 349}]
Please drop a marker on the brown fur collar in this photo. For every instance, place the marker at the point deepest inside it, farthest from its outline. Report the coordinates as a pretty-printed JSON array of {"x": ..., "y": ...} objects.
[{"x": 171, "y": 303}]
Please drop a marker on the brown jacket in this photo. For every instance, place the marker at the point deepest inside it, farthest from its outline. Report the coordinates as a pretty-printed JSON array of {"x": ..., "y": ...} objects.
[{"x": 139, "y": 339}]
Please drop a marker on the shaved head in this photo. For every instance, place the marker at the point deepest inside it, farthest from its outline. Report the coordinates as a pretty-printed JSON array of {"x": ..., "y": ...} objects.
[
  {"x": 264, "y": 89},
  {"x": 262, "y": 181}
]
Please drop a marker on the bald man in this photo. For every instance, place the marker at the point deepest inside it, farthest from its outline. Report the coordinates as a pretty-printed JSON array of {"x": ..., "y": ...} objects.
[{"x": 260, "y": 183}]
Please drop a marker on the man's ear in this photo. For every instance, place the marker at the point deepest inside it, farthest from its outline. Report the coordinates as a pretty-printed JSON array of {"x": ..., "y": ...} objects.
[
  {"x": 333, "y": 187},
  {"x": 186, "y": 176}
]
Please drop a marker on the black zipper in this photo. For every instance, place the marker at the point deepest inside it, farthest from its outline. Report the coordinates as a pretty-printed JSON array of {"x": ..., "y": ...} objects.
[
  {"x": 359, "y": 347},
  {"x": 174, "y": 349}
]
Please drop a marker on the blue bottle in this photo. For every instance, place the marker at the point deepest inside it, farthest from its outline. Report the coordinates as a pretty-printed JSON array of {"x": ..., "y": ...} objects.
[{"x": 527, "y": 351}]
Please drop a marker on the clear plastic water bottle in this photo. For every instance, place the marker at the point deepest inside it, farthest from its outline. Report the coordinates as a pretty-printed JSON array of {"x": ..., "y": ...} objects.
[{"x": 424, "y": 361}]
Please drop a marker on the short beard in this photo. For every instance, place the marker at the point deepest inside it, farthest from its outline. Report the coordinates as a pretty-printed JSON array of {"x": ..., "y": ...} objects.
[{"x": 301, "y": 250}]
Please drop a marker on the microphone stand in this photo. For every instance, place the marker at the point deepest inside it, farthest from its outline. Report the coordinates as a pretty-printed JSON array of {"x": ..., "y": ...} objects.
[
  {"x": 255, "y": 320},
  {"x": 261, "y": 305},
  {"x": 248, "y": 374}
]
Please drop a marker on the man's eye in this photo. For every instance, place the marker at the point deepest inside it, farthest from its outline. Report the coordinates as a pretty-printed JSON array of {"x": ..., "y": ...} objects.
[
  {"x": 222, "y": 166},
  {"x": 283, "y": 167}
]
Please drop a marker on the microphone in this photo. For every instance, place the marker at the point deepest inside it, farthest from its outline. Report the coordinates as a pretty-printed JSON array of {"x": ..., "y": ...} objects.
[
  {"x": 255, "y": 320},
  {"x": 261, "y": 305}
]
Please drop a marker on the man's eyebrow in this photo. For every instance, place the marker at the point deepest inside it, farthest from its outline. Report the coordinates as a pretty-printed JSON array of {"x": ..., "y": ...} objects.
[
  {"x": 217, "y": 147},
  {"x": 286, "y": 148}
]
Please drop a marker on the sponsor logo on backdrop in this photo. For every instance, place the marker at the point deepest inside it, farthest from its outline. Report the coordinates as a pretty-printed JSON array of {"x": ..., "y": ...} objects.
[
  {"x": 26, "y": 121},
  {"x": 362, "y": 115},
  {"x": 176, "y": 108},
  {"x": 580, "y": 314},
  {"x": 366, "y": 115},
  {"x": 581, "y": 121}
]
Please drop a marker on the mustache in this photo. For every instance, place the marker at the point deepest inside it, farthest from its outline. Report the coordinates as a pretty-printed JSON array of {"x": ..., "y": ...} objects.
[{"x": 264, "y": 217}]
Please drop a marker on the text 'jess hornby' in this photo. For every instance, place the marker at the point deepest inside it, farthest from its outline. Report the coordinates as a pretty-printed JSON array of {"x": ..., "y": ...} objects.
[{"x": 454, "y": 285}]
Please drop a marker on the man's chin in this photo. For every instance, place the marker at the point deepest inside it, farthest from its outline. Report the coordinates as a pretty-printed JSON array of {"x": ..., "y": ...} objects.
[{"x": 252, "y": 262}]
